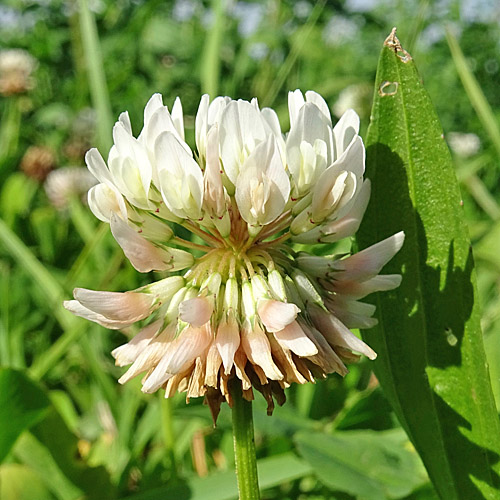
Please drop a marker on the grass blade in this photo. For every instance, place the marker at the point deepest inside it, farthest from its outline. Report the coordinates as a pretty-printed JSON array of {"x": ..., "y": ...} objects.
[{"x": 474, "y": 92}]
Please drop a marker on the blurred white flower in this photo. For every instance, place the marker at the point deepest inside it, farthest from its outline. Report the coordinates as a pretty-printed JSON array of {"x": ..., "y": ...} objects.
[
  {"x": 464, "y": 144},
  {"x": 339, "y": 30},
  {"x": 184, "y": 10},
  {"x": 357, "y": 96},
  {"x": 249, "y": 16},
  {"x": 16, "y": 68},
  {"x": 37, "y": 162},
  {"x": 67, "y": 183},
  {"x": 248, "y": 306}
]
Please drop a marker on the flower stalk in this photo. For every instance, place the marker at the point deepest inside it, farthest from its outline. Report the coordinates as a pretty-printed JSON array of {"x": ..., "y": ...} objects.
[{"x": 244, "y": 445}]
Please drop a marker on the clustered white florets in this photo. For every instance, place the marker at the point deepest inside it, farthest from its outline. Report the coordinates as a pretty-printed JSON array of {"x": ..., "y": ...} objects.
[
  {"x": 16, "y": 68},
  {"x": 250, "y": 307}
]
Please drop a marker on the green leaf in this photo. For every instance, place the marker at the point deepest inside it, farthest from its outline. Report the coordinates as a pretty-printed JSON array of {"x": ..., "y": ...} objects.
[
  {"x": 272, "y": 471},
  {"x": 22, "y": 404},
  {"x": 365, "y": 464},
  {"x": 33, "y": 454},
  {"x": 431, "y": 361},
  {"x": 54, "y": 453},
  {"x": 19, "y": 482}
]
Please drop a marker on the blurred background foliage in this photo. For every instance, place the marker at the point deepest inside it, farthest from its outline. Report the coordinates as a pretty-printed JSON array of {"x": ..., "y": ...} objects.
[{"x": 89, "y": 437}]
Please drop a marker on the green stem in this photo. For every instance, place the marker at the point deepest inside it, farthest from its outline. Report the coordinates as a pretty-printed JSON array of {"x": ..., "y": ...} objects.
[
  {"x": 210, "y": 72},
  {"x": 9, "y": 131},
  {"x": 244, "y": 445},
  {"x": 167, "y": 420},
  {"x": 97, "y": 80}
]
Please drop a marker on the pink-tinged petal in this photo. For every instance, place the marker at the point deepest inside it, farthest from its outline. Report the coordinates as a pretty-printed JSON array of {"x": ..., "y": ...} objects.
[
  {"x": 227, "y": 342},
  {"x": 213, "y": 366},
  {"x": 151, "y": 354},
  {"x": 145, "y": 256},
  {"x": 126, "y": 307},
  {"x": 128, "y": 353},
  {"x": 196, "y": 311},
  {"x": 368, "y": 263},
  {"x": 293, "y": 338},
  {"x": 326, "y": 358},
  {"x": 336, "y": 333},
  {"x": 191, "y": 343},
  {"x": 77, "y": 309},
  {"x": 358, "y": 290},
  {"x": 275, "y": 314},
  {"x": 352, "y": 313},
  {"x": 258, "y": 350}
]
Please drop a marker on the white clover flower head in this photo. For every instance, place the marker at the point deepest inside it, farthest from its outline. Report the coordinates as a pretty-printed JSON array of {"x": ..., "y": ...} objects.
[
  {"x": 67, "y": 183},
  {"x": 464, "y": 144},
  {"x": 16, "y": 68},
  {"x": 248, "y": 305}
]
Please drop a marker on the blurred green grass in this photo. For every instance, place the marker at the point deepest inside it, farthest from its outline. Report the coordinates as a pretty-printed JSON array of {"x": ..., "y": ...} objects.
[{"x": 185, "y": 48}]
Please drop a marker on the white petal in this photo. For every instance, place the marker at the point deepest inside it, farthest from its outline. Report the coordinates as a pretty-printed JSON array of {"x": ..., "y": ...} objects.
[
  {"x": 124, "y": 119},
  {"x": 155, "y": 103},
  {"x": 105, "y": 200},
  {"x": 358, "y": 290},
  {"x": 130, "y": 166},
  {"x": 145, "y": 256},
  {"x": 292, "y": 337},
  {"x": 369, "y": 262},
  {"x": 276, "y": 315},
  {"x": 338, "y": 334},
  {"x": 345, "y": 131},
  {"x": 151, "y": 354},
  {"x": 227, "y": 342},
  {"x": 184, "y": 350},
  {"x": 77, "y": 309},
  {"x": 317, "y": 100},
  {"x": 241, "y": 129},
  {"x": 262, "y": 188},
  {"x": 178, "y": 118},
  {"x": 196, "y": 311},
  {"x": 295, "y": 102},
  {"x": 214, "y": 197},
  {"x": 181, "y": 179},
  {"x": 347, "y": 225},
  {"x": 339, "y": 184},
  {"x": 97, "y": 166},
  {"x": 327, "y": 358},
  {"x": 128, "y": 353},
  {"x": 201, "y": 124},
  {"x": 311, "y": 125},
  {"x": 118, "y": 306},
  {"x": 258, "y": 350}
]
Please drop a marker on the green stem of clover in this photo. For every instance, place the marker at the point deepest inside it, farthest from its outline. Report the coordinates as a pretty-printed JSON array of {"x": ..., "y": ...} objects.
[{"x": 244, "y": 445}]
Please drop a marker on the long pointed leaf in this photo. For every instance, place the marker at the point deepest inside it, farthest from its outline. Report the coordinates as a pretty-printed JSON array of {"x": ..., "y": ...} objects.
[{"x": 431, "y": 358}]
